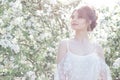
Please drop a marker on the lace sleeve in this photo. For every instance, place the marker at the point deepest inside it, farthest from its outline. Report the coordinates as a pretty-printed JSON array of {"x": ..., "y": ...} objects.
[
  {"x": 105, "y": 73},
  {"x": 61, "y": 72}
]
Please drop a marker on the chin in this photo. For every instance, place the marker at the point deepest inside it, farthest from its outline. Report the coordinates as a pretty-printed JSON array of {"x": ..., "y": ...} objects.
[{"x": 75, "y": 27}]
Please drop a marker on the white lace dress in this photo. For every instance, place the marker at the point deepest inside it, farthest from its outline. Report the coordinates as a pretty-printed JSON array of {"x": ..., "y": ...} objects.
[{"x": 88, "y": 67}]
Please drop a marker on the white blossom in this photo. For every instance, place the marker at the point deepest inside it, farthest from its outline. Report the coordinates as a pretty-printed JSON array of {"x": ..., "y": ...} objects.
[
  {"x": 15, "y": 66},
  {"x": 28, "y": 23},
  {"x": 31, "y": 75},
  {"x": 3, "y": 2},
  {"x": 31, "y": 31},
  {"x": 6, "y": 43},
  {"x": 8, "y": 36},
  {"x": 117, "y": 63},
  {"x": 43, "y": 36},
  {"x": 1, "y": 22},
  {"x": 1, "y": 66},
  {"x": 16, "y": 5},
  {"x": 39, "y": 12},
  {"x": 10, "y": 27},
  {"x": 12, "y": 58},
  {"x": 19, "y": 78},
  {"x": 15, "y": 48},
  {"x": 14, "y": 41},
  {"x": 31, "y": 37},
  {"x": 18, "y": 21},
  {"x": 46, "y": 5},
  {"x": 53, "y": 1},
  {"x": 3, "y": 43}
]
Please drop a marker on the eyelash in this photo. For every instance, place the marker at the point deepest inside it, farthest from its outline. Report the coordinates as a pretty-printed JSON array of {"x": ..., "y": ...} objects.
[
  {"x": 72, "y": 17},
  {"x": 80, "y": 17}
]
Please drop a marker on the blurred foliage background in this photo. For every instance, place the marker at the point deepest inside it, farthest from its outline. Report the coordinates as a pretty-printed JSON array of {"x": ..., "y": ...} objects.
[{"x": 30, "y": 31}]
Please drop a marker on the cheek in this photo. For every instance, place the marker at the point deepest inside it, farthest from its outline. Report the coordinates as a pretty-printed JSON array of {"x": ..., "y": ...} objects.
[{"x": 82, "y": 22}]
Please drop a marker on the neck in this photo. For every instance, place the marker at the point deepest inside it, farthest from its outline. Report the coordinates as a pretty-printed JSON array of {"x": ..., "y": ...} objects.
[{"x": 81, "y": 36}]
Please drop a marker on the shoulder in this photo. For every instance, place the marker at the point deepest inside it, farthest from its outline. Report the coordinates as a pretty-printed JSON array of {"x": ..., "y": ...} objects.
[
  {"x": 99, "y": 50},
  {"x": 63, "y": 42},
  {"x": 62, "y": 49}
]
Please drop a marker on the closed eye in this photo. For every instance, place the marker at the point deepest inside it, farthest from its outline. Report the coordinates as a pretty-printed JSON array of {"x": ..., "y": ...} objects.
[
  {"x": 72, "y": 16},
  {"x": 80, "y": 16}
]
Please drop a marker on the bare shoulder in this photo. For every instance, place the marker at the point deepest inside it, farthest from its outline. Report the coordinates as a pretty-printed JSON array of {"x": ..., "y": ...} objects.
[
  {"x": 62, "y": 49},
  {"x": 99, "y": 50},
  {"x": 62, "y": 44}
]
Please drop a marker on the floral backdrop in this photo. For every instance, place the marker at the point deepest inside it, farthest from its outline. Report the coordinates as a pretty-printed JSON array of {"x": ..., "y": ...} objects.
[{"x": 30, "y": 31}]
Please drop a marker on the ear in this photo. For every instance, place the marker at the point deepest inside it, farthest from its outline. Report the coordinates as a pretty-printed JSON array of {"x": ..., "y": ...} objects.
[
  {"x": 89, "y": 24},
  {"x": 90, "y": 21}
]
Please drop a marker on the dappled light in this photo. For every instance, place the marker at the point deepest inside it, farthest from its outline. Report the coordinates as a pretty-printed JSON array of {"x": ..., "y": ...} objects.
[{"x": 30, "y": 31}]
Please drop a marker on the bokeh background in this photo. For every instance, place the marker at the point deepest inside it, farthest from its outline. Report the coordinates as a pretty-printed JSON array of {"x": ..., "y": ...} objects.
[{"x": 30, "y": 31}]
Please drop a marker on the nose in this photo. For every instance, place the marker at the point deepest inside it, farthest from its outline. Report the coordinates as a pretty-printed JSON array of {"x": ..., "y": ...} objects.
[{"x": 74, "y": 20}]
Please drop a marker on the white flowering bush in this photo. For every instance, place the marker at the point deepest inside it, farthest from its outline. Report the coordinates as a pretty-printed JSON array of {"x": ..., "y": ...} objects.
[
  {"x": 29, "y": 32},
  {"x": 31, "y": 29},
  {"x": 111, "y": 26},
  {"x": 107, "y": 34}
]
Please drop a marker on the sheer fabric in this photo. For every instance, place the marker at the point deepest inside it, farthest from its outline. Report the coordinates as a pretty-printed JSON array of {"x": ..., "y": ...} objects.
[{"x": 88, "y": 67}]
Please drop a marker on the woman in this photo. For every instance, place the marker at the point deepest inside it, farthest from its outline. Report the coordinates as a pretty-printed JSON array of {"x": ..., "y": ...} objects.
[{"x": 78, "y": 58}]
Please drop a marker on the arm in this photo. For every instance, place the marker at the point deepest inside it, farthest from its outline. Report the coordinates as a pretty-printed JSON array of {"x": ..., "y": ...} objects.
[
  {"x": 105, "y": 71},
  {"x": 100, "y": 52},
  {"x": 60, "y": 59},
  {"x": 62, "y": 49},
  {"x": 101, "y": 55}
]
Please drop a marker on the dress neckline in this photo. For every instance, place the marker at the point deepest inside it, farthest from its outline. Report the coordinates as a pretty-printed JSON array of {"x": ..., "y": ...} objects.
[
  {"x": 93, "y": 53},
  {"x": 69, "y": 52}
]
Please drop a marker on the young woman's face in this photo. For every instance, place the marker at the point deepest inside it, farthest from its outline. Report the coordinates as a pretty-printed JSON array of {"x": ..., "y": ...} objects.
[{"x": 78, "y": 22}]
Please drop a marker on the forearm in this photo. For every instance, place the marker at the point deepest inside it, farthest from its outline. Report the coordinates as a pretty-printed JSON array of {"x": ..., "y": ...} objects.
[{"x": 103, "y": 76}]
